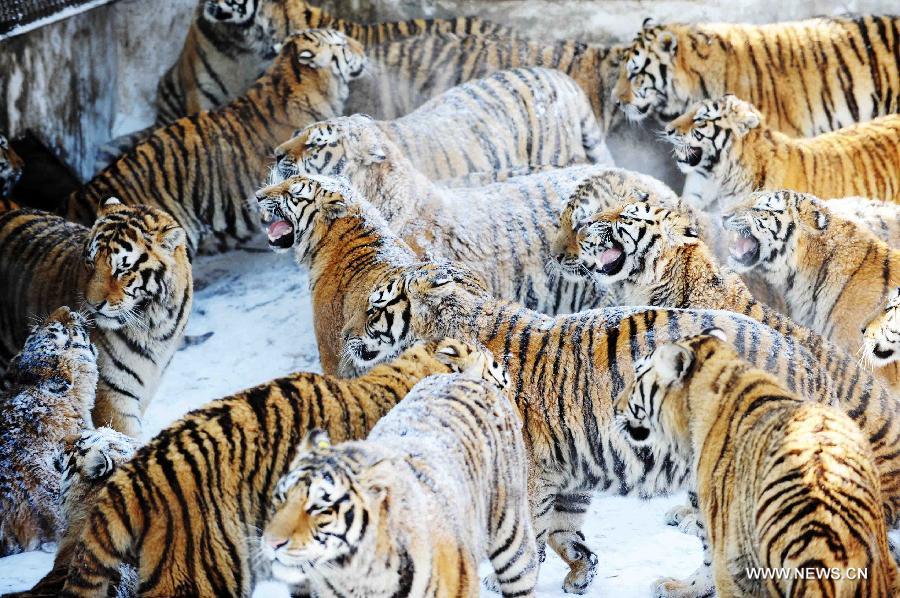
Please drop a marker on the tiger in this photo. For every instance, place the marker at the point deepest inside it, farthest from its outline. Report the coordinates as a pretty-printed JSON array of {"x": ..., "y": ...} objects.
[
  {"x": 11, "y": 166},
  {"x": 50, "y": 394},
  {"x": 726, "y": 149},
  {"x": 783, "y": 483},
  {"x": 84, "y": 464},
  {"x": 832, "y": 273},
  {"x": 881, "y": 340},
  {"x": 202, "y": 169},
  {"x": 229, "y": 43},
  {"x": 585, "y": 357},
  {"x": 510, "y": 122},
  {"x": 503, "y": 234},
  {"x": 406, "y": 73},
  {"x": 438, "y": 485},
  {"x": 131, "y": 274},
  {"x": 808, "y": 77},
  {"x": 193, "y": 529}
]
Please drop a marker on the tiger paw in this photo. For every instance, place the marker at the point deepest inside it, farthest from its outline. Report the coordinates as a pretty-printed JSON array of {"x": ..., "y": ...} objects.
[
  {"x": 490, "y": 583},
  {"x": 693, "y": 587},
  {"x": 581, "y": 571}
]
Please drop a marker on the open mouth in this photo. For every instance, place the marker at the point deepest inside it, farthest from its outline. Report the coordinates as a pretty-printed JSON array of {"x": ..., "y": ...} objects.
[
  {"x": 744, "y": 248},
  {"x": 637, "y": 433},
  {"x": 280, "y": 233},
  {"x": 359, "y": 352},
  {"x": 689, "y": 156},
  {"x": 612, "y": 259}
]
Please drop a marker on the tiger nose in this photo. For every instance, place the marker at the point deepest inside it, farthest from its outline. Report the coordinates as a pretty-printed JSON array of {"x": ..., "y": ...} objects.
[{"x": 274, "y": 542}]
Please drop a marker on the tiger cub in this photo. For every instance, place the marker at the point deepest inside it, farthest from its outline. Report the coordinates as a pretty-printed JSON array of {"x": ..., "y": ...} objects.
[
  {"x": 201, "y": 169},
  {"x": 507, "y": 124},
  {"x": 51, "y": 384},
  {"x": 229, "y": 43},
  {"x": 131, "y": 274},
  {"x": 10, "y": 172},
  {"x": 438, "y": 485},
  {"x": 190, "y": 505},
  {"x": 770, "y": 469},
  {"x": 832, "y": 273},
  {"x": 808, "y": 77},
  {"x": 881, "y": 340},
  {"x": 726, "y": 148},
  {"x": 502, "y": 231}
]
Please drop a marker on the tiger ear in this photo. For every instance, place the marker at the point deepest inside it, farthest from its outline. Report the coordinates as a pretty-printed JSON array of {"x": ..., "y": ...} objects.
[
  {"x": 372, "y": 148},
  {"x": 317, "y": 438},
  {"x": 812, "y": 213},
  {"x": 672, "y": 362},
  {"x": 747, "y": 117},
  {"x": 171, "y": 237},
  {"x": 667, "y": 42},
  {"x": 334, "y": 206},
  {"x": 376, "y": 478},
  {"x": 716, "y": 332},
  {"x": 110, "y": 202},
  {"x": 680, "y": 232}
]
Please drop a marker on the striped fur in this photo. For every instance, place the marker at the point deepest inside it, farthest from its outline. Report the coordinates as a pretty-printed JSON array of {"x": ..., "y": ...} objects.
[
  {"x": 131, "y": 274},
  {"x": 504, "y": 125},
  {"x": 51, "y": 391},
  {"x": 438, "y": 485},
  {"x": 502, "y": 231},
  {"x": 808, "y": 77},
  {"x": 881, "y": 340},
  {"x": 832, "y": 273},
  {"x": 202, "y": 169},
  {"x": 189, "y": 507},
  {"x": 230, "y": 43},
  {"x": 406, "y": 73},
  {"x": 10, "y": 172},
  {"x": 782, "y": 483},
  {"x": 586, "y": 356},
  {"x": 726, "y": 148},
  {"x": 881, "y": 218}
]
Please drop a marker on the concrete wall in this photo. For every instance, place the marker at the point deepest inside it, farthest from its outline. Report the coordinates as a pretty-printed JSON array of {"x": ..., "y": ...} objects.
[{"x": 82, "y": 81}]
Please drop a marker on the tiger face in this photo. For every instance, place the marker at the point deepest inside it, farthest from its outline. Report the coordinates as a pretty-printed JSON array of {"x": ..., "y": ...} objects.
[
  {"x": 236, "y": 12},
  {"x": 324, "y": 511},
  {"x": 340, "y": 147},
  {"x": 766, "y": 228},
  {"x": 133, "y": 256},
  {"x": 63, "y": 336},
  {"x": 629, "y": 242},
  {"x": 710, "y": 134},
  {"x": 645, "y": 83},
  {"x": 10, "y": 168},
  {"x": 290, "y": 210},
  {"x": 382, "y": 331},
  {"x": 881, "y": 335}
]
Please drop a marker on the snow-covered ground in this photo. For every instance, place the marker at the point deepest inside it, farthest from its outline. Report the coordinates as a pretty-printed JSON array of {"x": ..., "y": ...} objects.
[{"x": 257, "y": 306}]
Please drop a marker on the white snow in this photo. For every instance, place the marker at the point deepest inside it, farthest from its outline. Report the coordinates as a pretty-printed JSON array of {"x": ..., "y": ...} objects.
[{"x": 258, "y": 307}]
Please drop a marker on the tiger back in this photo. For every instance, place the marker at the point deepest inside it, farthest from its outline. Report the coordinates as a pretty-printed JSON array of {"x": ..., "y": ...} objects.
[
  {"x": 193, "y": 529},
  {"x": 438, "y": 485},
  {"x": 769, "y": 469},
  {"x": 131, "y": 274}
]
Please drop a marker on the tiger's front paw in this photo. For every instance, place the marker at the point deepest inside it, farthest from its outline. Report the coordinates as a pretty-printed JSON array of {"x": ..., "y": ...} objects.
[
  {"x": 693, "y": 587},
  {"x": 582, "y": 569},
  {"x": 491, "y": 583},
  {"x": 684, "y": 517}
]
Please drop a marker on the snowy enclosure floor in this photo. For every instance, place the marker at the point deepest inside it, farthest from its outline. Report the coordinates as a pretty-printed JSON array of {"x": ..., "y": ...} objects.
[{"x": 257, "y": 306}]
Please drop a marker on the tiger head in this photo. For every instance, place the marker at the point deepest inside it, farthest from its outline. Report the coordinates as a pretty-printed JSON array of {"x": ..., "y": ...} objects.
[
  {"x": 295, "y": 208},
  {"x": 345, "y": 146},
  {"x": 881, "y": 335},
  {"x": 710, "y": 137},
  {"x": 646, "y": 81},
  {"x": 636, "y": 242},
  {"x": 10, "y": 168},
  {"x": 85, "y": 463},
  {"x": 136, "y": 256},
  {"x": 769, "y": 229},
  {"x": 425, "y": 302},
  {"x": 653, "y": 410},
  {"x": 235, "y": 12},
  {"x": 327, "y": 509}
]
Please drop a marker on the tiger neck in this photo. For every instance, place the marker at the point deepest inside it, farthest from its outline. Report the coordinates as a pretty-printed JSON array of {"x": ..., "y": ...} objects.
[{"x": 762, "y": 154}]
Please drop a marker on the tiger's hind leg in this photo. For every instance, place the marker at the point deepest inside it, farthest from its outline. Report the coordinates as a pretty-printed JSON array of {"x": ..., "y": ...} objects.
[
  {"x": 566, "y": 539},
  {"x": 514, "y": 555}
]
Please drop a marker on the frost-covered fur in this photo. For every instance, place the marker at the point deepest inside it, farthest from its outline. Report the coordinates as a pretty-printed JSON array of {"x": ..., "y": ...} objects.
[
  {"x": 52, "y": 382},
  {"x": 501, "y": 231}
]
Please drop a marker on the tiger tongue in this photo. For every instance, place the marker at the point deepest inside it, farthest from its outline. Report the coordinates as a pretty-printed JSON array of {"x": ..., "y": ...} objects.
[
  {"x": 744, "y": 245},
  {"x": 610, "y": 255},
  {"x": 278, "y": 229}
]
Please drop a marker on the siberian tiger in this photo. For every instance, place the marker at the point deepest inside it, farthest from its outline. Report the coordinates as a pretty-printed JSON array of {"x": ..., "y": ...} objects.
[
  {"x": 783, "y": 483},
  {"x": 585, "y": 358},
  {"x": 808, "y": 77},
  {"x": 189, "y": 507},
  {"x": 832, "y": 273},
  {"x": 502, "y": 231},
  {"x": 406, "y": 73},
  {"x": 229, "y": 43},
  {"x": 725, "y": 148},
  {"x": 881, "y": 340},
  {"x": 131, "y": 274},
  {"x": 438, "y": 485},
  {"x": 506, "y": 124},
  {"x": 51, "y": 391},
  {"x": 10, "y": 172},
  {"x": 202, "y": 169}
]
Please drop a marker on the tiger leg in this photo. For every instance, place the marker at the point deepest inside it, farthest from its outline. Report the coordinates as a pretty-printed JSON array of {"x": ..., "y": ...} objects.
[
  {"x": 700, "y": 584},
  {"x": 567, "y": 541},
  {"x": 121, "y": 413},
  {"x": 514, "y": 554},
  {"x": 684, "y": 517}
]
